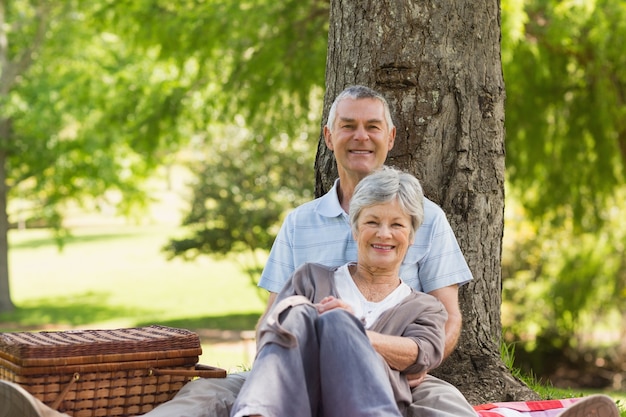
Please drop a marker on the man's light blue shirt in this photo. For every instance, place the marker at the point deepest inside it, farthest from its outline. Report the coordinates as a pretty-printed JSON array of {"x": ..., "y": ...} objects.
[{"x": 319, "y": 231}]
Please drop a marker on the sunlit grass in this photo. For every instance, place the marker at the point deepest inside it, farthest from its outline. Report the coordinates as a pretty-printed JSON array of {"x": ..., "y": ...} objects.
[
  {"x": 548, "y": 392},
  {"x": 117, "y": 276}
]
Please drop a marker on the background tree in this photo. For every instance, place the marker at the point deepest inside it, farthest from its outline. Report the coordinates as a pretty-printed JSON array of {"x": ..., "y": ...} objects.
[
  {"x": 565, "y": 273},
  {"x": 566, "y": 107},
  {"x": 95, "y": 96},
  {"x": 253, "y": 157},
  {"x": 447, "y": 94},
  {"x": 243, "y": 186},
  {"x": 83, "y": 117}
]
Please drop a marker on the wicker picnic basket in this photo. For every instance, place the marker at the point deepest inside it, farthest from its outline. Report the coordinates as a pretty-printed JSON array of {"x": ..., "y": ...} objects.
[{"x": 116, "y": 373}]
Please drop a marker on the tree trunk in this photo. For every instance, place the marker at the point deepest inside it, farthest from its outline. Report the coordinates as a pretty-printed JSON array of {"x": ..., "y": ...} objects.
[
  {"x": 6, "y": 304},
  {"x": 438, "y": 64}
]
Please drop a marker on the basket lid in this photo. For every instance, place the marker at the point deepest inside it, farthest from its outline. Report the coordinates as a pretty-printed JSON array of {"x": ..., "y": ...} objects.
[{"x": 98, "y": 346}]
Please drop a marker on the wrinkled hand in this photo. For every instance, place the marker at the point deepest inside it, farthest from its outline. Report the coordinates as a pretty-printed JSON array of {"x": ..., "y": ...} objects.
[
  {"x": 415, "y": 379},
  {"x": 331, "y": 303}
]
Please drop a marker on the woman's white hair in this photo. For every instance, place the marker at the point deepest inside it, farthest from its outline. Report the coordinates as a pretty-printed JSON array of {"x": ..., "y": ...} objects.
[{"x": 383, "y": 186}]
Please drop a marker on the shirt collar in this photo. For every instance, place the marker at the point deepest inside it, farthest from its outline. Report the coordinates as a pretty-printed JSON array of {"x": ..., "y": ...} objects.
[{"x": 329, "y": 205}]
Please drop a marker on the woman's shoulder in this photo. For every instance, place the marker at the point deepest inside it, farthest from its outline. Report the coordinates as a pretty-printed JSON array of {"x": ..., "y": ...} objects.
[
  {"x": 315, "y": 267},
  {"x": 424, "y": 300},
  {"x": 314, "y": 280}
]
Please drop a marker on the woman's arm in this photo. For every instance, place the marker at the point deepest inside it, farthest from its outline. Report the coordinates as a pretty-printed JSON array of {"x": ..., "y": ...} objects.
[
  {"x": 399, "y": 352},
  {"x": 411, "y": 336}
]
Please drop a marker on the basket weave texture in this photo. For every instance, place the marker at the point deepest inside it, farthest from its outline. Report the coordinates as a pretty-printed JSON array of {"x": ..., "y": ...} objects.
[{"x": 113, "y": 373}]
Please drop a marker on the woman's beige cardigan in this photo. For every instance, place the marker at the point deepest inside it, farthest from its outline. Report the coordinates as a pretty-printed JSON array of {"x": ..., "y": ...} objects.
[{"x": 419, "y": 316}]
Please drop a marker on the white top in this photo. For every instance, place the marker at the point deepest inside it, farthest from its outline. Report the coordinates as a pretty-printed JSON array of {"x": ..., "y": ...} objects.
[{"x": 367, "y": 311}]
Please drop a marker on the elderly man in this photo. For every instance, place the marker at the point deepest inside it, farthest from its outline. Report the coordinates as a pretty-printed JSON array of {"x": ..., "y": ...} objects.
[{"x": 360, "y": 132}]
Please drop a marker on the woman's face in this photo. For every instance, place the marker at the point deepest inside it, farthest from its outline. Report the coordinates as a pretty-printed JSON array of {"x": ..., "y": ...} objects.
[{"x": 383, "y": 236}]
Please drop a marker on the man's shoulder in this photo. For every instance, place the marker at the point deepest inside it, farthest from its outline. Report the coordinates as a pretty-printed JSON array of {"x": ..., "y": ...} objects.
[
  {"x": 313, "y": 212},
  {"x": 432, "y": 208},
  {"x": 433, "y": 214},
  {"x": 304, "y": 215},
  {"x": 307, "y": 207}
]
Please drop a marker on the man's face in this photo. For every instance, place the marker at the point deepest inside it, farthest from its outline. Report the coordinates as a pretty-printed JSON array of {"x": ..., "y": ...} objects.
[{"x": 360, "y": 137}]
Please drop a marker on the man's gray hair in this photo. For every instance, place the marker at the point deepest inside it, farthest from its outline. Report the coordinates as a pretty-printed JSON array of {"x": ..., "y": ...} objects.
[
  {"x": 357, "y": 92},
  {"x": 383, "y": 186}
]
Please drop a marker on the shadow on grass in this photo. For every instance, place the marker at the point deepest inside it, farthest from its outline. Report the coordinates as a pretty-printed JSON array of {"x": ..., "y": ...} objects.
[
  {"x": 69, "y": 240},
  {"x": 237, "y": 322},
  {"x": 75, "y": 311},
  {"x": 87, "y": 309}
]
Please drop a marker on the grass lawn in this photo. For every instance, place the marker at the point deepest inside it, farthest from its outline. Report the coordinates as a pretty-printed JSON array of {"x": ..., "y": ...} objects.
[{"x": 116, "y": 276}]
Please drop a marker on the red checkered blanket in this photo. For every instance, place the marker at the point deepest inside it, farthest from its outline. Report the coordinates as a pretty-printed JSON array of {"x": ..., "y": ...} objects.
[{"x": 543, "y": 408}]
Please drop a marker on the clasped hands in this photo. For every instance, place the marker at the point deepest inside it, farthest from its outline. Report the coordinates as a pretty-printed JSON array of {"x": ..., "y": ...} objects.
[{"x": 331, "y": 303}]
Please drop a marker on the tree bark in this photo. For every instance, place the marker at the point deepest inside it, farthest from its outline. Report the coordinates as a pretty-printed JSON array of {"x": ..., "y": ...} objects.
[
  {"x": 6, "y": 305},
  {"x": 438, "y": 64},
  {"x": 6, "y": 80},
  {"x": 10, "y": 70}
]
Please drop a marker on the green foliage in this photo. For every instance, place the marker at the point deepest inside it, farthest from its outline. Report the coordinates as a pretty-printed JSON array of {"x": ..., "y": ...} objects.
[
  {"x": 262, "y": 63},
  {"x": 565, "y": 72},
  {"x": 564, "y": 269},
  {"x": 242, "y": 191},
  {"x": 561, "y": 287},
  {"x": 259, "y": 59},
  {"x": 115, "y": 87},
  {"x": 72, "y": 120}
]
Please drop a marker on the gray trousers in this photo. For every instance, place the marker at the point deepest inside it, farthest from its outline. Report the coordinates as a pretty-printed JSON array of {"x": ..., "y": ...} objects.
[
  {"x": 332, "y": 371},
  {"x": 216, "y": 397}
]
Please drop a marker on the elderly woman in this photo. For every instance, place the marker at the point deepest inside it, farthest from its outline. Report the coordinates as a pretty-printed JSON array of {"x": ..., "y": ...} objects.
[{"x": 339, "y": 341}]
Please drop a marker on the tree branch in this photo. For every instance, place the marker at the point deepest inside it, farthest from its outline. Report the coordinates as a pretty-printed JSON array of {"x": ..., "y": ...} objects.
[{"x": 12, "y": 68}]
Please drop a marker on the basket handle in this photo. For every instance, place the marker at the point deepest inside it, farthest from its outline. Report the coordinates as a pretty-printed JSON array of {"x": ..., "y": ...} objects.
[
  {"x": 57, "y": 402},
  {"x": 201, "y": 371}
]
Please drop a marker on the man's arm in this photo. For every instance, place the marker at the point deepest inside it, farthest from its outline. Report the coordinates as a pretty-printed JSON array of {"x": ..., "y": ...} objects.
[
  {"x": 270, "y": 303},
  {"x": 449, "y": 297}
]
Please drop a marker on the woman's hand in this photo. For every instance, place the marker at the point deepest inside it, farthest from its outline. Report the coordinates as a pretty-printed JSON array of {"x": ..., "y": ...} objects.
[
  {"x": 331, "y": 303},
  {"x": 416, "y": 379}
]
